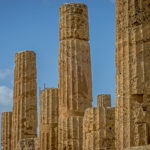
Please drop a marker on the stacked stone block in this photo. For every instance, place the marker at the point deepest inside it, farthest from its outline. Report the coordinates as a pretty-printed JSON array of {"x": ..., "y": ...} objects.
[
  {"x": 75, "y": 79},
  {"x": 133, "y": 73},
  {"x": 24, "y": 118},
  {"x": 6, "y": 124},
  {"x": 99, "y": 126},
  {"x": 49, "y": 119}
]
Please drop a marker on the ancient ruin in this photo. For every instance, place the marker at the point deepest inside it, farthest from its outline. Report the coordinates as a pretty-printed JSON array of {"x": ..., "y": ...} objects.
[
  {"x": 99, "y": 125},
  {"x": 24, "y": 117},
  {"x": 67, "y": 119},
  {"x": 133, "y": 73},
  {"x": 75, "y": 79},
  {"x": 6, "y": 126},
  {"x": 49, "y": 119}
]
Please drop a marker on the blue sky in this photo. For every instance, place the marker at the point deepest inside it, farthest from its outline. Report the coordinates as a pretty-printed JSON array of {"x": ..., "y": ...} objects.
[{"x": 34, "y": 25}]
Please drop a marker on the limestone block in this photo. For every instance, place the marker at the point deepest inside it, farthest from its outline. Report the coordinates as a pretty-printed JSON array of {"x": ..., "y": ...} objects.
[
  {"x": 6, "y": 124},
  {"x": 49, "y": 119},
  {"x": 73, "y": 22},
  {"x": 28, "y": 144},
  {"x": 24, "y": 118}
]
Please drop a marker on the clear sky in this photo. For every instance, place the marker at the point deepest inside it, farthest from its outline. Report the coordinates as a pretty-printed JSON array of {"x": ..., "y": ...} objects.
[{"x": 34, "y": 25}]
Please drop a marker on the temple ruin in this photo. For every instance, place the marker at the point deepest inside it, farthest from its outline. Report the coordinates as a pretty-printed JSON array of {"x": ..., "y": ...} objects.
[
  {"x": 6, "y": 126},
  {"x": 48, "y": 135},
  {"x": 67, "y": 119},
  {"x": 133, "y": 73},
  {"x": 99, "y": 125},
  {"x": 75, "y": 77},
  {"x": 24, "y": 115}
]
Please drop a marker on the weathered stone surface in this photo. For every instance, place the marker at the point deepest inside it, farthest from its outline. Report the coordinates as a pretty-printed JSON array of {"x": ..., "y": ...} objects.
[
  {"x": 6, "y": 124},
  {"x": 24, "y": 118},
  {"x": 70, "y": 134},
  {"x": 67, "y": 119},
  {"x": 75, "y": 76},
  {"x": 73, "y": 22},
  {"x": 99, "y": 127},
  {"x": 75, "y": 79},
  {"x": 49, "y": 119},
  {"x": 139, "y": 148},
  {"x": 28, "y": 144},
  {"x": 133, "y": 73}
]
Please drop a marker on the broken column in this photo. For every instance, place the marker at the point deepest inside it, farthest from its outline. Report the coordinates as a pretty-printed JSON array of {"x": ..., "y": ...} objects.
[
  {"x": 24, "y": 118},
  {"x": 99, "y": 125},
  {"x": 104, "y": 100},
  {"x": 6, "y": 124},
  {"x": 49, "y": 119},
  {"x": 75, "y": 79},
  {"x": 133, "y": 73}
]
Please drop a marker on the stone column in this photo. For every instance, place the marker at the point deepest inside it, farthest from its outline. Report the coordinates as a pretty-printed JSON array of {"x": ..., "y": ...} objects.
[
  {"x": 6, "y": 124},
  {"x": 133, "y": 72},
  {"x": 104, "y": 100},
  {"x": 24, "y": 118},
  {"x": 99, "y": 126},
  {"x": 49, "y": 119},
  {"x": 75, "y": 79}
]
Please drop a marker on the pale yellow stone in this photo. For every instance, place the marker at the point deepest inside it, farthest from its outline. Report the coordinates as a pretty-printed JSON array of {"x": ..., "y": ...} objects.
[
  {"x": 73, "y": 22},
  {"x": 139, "y": 148},
  {"x": 99, "y": 126},
  {"x": 49, "y": 119},
  {"x": 24, "y": 117},
  {"x": 132, "y": 73},
  {"x": 75, "y": 79},
  {"x": 6, "y": 126},
  {"x": 28, "y": 144},
  {"x": 104, "y": 100},
  {"x": 67, "y": 119}
]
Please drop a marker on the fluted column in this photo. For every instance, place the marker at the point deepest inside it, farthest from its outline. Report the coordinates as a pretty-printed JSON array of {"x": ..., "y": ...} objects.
[
  {"x": 6, "y": 124},
  {"x": 132, "y": 73},
  {"x": 104, "y": 100},
  {"x": 75, "y": 79},
  {"x": 99, "y": 126},
  {"x": 49, "y": 119},
  {"x": 24, "y": 119}
]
